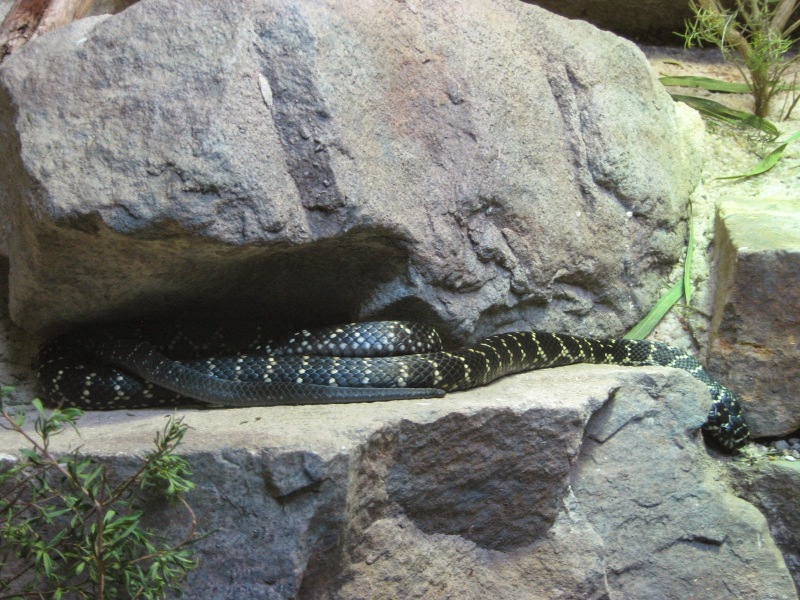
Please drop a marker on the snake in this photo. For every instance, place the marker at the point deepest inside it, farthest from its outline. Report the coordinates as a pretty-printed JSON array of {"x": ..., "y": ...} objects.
[{"x": 139, "y": 366}]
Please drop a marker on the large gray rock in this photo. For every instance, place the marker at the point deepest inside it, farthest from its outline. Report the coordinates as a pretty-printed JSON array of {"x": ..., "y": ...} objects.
[
  {"x": 774, "y": 487},
  {"x": 484, "y": 165},
  {"x": 755, "y": 329},
  {"x": 579, "y": 482}
]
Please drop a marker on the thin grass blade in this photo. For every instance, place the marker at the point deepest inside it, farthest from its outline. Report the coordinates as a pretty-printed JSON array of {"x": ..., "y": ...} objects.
[
  {"x": 643, "y": 328},
  {"x": 769, "y": 161},
  {"x": 720, "y": 112},
  {"x": 706, "y": 83},
  {"x": 688, "y": 289}
]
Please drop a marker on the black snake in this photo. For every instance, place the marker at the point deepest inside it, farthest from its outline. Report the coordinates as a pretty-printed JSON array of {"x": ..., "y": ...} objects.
[{"x": 363, "y": 362}]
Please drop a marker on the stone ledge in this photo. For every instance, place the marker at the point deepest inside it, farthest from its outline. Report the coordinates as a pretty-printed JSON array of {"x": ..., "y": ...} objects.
[
  {"x": 755, "y": 331},
  {"x": 331, "y": 429},
  {"x": 774, "y": 487},
  {"x": 583, "y": 481}
]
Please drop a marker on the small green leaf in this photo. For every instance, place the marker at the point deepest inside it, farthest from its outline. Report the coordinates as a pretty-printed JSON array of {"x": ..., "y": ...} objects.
[
  {"x": 48, "y": 564},
  {"x": 19, "y": 419},
  {"x": 769, "y": 161},
  {"x": 706, "y": 83},
  {"x": 643, "y": 328},
  {"x": 720, "y": 112},
  {"x": 31, "y": 455},
  {"x": 132, "y": 523},
  {"x": 89, "y": 479}
]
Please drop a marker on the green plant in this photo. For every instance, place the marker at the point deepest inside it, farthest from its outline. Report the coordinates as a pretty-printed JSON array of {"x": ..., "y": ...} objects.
[
  {"x": 682, "y": 288},
  {"x": 755, "y": 35},
  {"x": 67, "y": 531}
]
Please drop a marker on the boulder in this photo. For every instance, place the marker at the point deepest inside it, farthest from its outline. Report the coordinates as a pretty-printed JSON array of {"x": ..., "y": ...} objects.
[
  {"x": 480, "y": 165},
  {"x": 755, "y": 330},
  {"x": 578, "y": 482},
  {"x": 774, "y": 488}
]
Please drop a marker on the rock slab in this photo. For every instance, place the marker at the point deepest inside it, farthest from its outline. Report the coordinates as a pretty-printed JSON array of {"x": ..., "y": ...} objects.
[
  {"x": 774, "y": 488},
  {"x": 755, "y": 334},
  {"x": 578, "y": 482},
  {"x": 480, "y": 165}
]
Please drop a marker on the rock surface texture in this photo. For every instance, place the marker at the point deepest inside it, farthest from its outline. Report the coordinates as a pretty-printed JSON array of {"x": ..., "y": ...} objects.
[
  {"x": 580, "y": 482},
  {"x": 755, "y": 339},
  {"x": 482, "y": 165},
  {"x": 774, "y": 488}
]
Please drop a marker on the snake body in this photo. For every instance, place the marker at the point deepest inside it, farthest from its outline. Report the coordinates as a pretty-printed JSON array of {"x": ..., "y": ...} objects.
[{"x": 385, "y": 360}]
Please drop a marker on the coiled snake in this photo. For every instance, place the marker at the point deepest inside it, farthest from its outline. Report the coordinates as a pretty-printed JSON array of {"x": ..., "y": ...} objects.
[{"x": 105, "y": 369}]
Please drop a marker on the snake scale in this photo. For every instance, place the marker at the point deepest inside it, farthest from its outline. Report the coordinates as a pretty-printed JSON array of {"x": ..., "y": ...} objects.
[{"x": 139, "y": 366}]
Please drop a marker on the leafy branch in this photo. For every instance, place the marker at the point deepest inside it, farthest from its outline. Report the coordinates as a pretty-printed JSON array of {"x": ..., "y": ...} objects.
[{"x": 65, "y": 529}]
